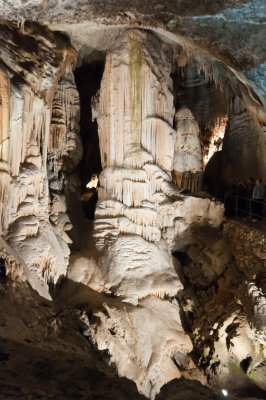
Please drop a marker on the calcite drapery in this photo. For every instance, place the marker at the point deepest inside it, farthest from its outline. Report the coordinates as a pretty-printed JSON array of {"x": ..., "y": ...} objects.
[
  {"x": 4, "y": 145},
  {"x": 64, "y": 150},
  {"x": 35, "y": 247}
]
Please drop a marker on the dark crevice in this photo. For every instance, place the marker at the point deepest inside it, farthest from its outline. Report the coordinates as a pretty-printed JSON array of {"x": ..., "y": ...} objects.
[
  {"x": 88, "y": 80},
  {"x": 244, "y": 364},
  {"x": 2, "y": 269}
]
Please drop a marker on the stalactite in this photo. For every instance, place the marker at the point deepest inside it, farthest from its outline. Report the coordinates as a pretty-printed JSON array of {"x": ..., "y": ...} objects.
[
  {"x": 188, "y": 180},
  {"x": 58, "y": 124}
]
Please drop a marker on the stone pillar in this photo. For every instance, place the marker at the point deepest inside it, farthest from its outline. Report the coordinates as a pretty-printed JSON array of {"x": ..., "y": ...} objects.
[
  {"x": 140, "y": 212},
  {"x": 188, "y": 166}
]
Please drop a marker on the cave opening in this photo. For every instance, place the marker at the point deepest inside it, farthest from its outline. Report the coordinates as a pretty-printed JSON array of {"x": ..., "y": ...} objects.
[{"x": 88, "y": 78}]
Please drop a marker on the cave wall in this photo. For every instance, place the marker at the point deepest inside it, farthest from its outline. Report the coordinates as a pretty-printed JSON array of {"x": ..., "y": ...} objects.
[
  {"x": 232, "y": 137},
  {"x": 224, "y": 305},
  {"x": 244, "y": 150}
]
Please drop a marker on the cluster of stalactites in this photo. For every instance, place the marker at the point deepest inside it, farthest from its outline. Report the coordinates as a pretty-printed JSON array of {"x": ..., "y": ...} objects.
[{"x": 240, "y": 93}]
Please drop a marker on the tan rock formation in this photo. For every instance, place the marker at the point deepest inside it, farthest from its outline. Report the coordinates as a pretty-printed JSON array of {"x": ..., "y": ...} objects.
[
  {"x": 140, "y": 215},
  {"x": 188, "y": 166},
  {"x": 142, "y": 341},
  {"x": 25, "y": 116}
]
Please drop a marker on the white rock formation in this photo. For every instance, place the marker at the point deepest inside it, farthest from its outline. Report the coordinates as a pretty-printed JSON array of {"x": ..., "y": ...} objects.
[
  {"x": 138, "y": 149},
  {"x": 141, "y": 216},
  {"x": 4, "y": 118},
  {"x": 142, "y": 341},
  {"x": 25, "y": 217},
  {"x": 188, "y": 154}
]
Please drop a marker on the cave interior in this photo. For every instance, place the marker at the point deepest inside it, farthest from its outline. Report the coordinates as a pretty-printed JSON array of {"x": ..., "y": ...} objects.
[{"x": 132, "y": 260}]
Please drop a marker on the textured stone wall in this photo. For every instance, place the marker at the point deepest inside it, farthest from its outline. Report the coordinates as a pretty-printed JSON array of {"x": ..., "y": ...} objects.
[
  {"x": 248, "y": 245},
  {"x": 244, "y": 150},
  {"x": 224, "y": 304},
  {"x": 249, "y": 248}
]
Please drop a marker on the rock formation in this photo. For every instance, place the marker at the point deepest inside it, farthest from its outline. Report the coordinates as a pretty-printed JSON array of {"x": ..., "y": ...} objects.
[
  {"x": 157, "y": 285},
  {"x": 225, "y": 306},
  {"x": 39, "y": 246},
  {"x": 188, "y": 153},
  {"x": 140, "y": 215}
]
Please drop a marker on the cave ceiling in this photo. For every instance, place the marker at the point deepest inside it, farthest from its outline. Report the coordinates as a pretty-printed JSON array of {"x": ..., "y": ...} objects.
[
  {"x": 230, "y": 29},
  {"x": 230, "y": 33}
]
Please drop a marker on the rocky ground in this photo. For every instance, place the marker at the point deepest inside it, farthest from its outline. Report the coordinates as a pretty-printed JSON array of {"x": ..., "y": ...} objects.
[{"x": 47, "y": 351}]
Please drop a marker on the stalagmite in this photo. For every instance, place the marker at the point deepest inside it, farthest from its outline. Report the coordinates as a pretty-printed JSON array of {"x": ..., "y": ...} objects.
[{"x": 188, "y": 155}]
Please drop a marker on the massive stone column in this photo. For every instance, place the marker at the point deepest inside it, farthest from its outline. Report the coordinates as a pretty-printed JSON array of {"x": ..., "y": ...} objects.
[
  {"x": 141, "y": 216},
  {"x": 137, "y": 200},
  {"x": 135, "y": 117}
]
